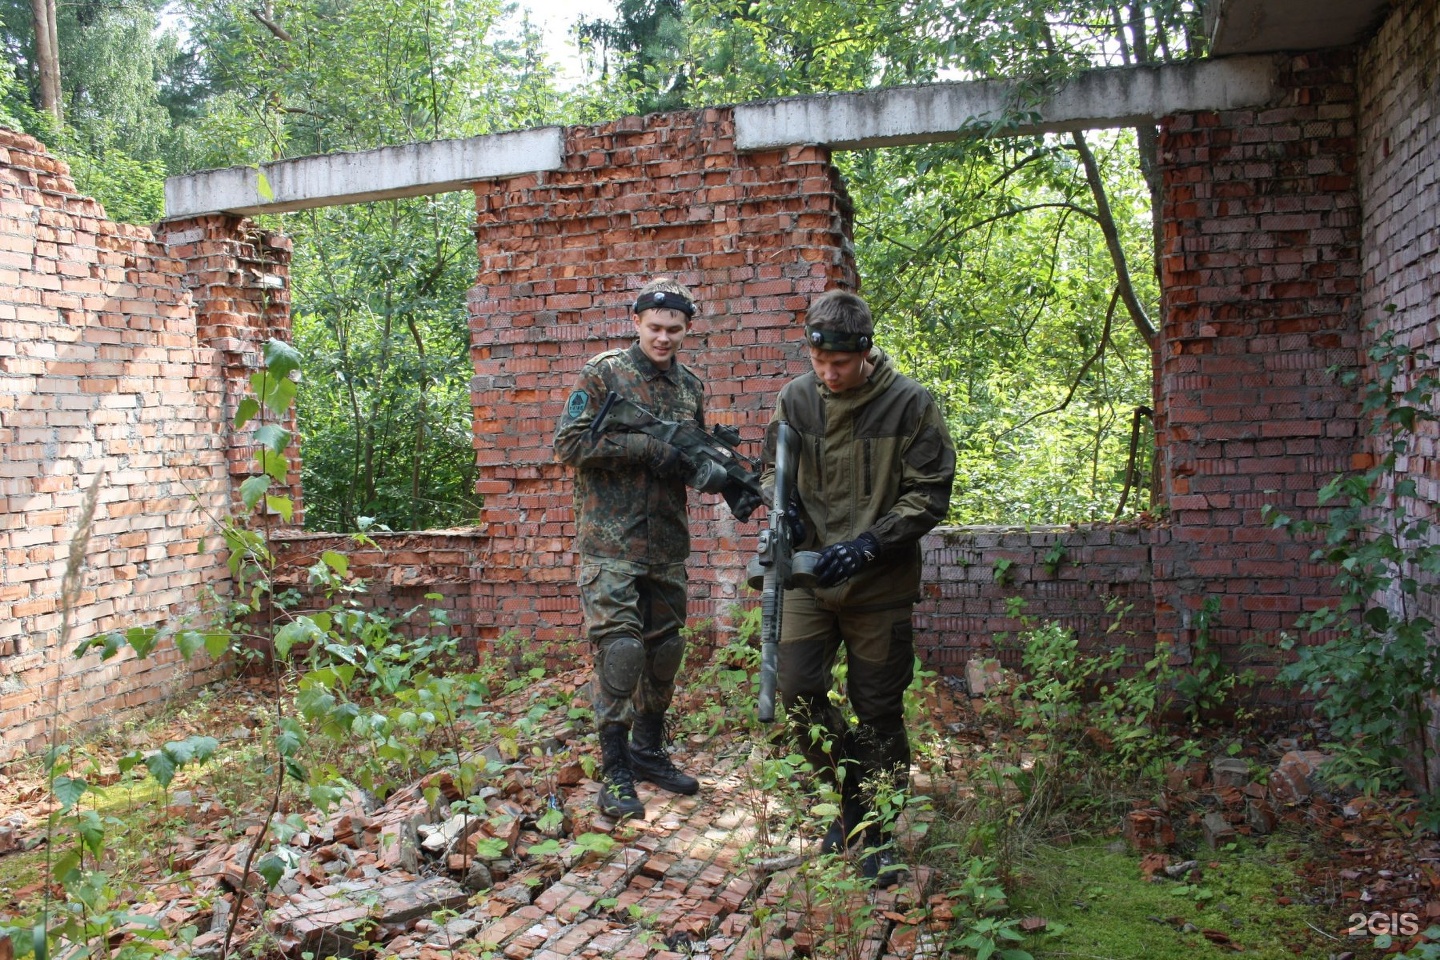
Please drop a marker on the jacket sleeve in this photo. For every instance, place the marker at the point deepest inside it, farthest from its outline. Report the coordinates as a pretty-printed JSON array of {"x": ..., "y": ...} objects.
[
  {"x": 927, "y": 473},
  {"x": 609, "y": 450}
]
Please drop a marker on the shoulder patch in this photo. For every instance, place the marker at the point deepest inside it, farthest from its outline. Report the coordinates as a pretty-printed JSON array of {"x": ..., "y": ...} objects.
[{"x": 576, "y": 405}]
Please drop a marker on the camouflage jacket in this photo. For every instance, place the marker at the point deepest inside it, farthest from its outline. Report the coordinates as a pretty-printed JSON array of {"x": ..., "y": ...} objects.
[{"x": 622, "y": 508}]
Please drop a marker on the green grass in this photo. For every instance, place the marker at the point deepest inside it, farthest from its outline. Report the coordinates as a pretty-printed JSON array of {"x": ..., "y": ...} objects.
[{"x": 1106, "y": 909}]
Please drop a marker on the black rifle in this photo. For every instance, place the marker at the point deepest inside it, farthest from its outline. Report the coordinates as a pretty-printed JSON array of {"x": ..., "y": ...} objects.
[
  {"x": 719, "y": 466},
  {"x": 773, "y": 558}
]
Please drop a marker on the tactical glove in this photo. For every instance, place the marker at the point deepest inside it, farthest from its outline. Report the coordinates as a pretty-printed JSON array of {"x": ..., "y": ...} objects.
[
  {"x": 798, "y": 530},
  {"x": 841, "y": 561},
  {"x": 665, "y": 459},
  {"x": 742, "y": 502}
]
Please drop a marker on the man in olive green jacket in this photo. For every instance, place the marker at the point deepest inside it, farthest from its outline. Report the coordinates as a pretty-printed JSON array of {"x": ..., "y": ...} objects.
[{"x": 875, "y": 464}]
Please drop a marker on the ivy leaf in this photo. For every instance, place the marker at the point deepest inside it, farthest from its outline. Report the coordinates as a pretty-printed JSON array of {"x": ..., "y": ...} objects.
[
  {"x": 92, "y": 832},
  {"x": 216, "y": 644},
  {"x": 281, "y": 359},
  {"x": 189, "y": 642},
  {"x": 277, "y": 465},
  {"x": 161, "y": 767},
  {"x": 273, "y": 438},
  {"x": 336, "y": 561}
]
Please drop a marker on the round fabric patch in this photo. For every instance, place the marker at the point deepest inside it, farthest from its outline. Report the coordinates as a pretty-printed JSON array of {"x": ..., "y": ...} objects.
[{"x": 576, "y": 405}]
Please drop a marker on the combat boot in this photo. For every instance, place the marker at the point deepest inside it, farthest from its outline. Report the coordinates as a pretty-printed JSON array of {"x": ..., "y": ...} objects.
[
  {"x": 842, "y": 831},
  {"x": 651, "y": 762},
  {"x": 879, "y": 864},
  {"x": 617, "y": 785}
]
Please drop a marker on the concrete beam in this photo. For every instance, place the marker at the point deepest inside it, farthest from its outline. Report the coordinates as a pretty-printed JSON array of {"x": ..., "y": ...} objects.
[
  {"x": 1262, "y": 26},
  {"x": 1112, "y": 97},
  {"x": 412, "y": 170}
]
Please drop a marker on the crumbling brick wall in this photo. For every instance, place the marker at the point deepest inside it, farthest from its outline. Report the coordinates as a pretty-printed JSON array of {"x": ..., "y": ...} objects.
[
  {"x": 1261, "y": 277},
  {"x": 562, "y": 255},
  {"x": 1400, "y": 195},
  {"x": 1400, "y": 178},
  {"x": 104, "y": 377}
]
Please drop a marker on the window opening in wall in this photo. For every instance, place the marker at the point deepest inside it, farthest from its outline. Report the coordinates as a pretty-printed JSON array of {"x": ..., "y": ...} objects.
[
  {"x": 379, "y": 305},
  {"x": 989, "y": 273}
]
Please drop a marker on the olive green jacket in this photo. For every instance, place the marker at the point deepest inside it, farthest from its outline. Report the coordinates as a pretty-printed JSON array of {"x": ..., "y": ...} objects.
[{"x": 877, "y": 458}]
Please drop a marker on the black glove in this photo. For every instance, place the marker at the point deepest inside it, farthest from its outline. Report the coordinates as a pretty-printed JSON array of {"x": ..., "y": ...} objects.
[
  {"x": 666, "y": 459},
  {"x": 798, "y": 530},
  {"x": 742, "y": 502},
  {"x": 841, "y": 561}
]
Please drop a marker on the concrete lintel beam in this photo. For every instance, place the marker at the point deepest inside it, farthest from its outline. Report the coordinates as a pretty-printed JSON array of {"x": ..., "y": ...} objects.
[
  {"x": 411, "y": 170},
  {"x": 1110, "y": 97}
]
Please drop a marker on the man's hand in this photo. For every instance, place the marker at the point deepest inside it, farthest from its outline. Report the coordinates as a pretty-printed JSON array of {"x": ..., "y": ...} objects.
[
  {"x": 666, "y": 459},
  {"x": 841, "y": 561},
  {"x": 742, "y": 502},
  {"x": 798, "y": 530}
]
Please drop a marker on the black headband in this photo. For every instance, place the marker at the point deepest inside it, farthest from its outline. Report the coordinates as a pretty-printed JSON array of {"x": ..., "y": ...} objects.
[
  {"x": 657, "y": 299},
  {"x": 837, "y": 340}
]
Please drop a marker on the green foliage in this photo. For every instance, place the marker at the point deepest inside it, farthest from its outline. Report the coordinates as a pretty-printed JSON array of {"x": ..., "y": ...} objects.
[
  {"x": 1101, "y": 709},
  {"x": 1375, "y": 675}
]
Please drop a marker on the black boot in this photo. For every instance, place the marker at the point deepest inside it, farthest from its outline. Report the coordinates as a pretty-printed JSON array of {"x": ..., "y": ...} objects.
[
  {"x": 651, "y": 761},
  {"x": 617, "y": 786},
  {"x": 880, "y": 864},
  {"x": 842, "y": 831}
]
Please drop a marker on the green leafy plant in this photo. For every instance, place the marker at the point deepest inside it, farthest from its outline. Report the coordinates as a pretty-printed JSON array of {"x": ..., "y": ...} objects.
[{"x": 1374, "y": 676}]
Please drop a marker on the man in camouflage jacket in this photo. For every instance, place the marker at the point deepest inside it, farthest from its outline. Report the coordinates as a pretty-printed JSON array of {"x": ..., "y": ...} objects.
[
  {"x": 633, "y": 537},
  {"x": 875, "y": 464}
]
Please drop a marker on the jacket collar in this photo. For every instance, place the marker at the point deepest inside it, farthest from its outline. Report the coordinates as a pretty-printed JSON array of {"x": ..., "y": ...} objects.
[
  {"x": 646, "y": 366},
  {"x": 881, "y": 376}
]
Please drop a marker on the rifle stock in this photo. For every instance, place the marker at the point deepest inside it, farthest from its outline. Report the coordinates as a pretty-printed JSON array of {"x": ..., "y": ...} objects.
[{"x": 775, "y": 555}]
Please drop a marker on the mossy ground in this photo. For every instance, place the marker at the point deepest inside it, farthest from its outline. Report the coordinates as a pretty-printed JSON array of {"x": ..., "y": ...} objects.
[{"x": 1247, "y": 900}]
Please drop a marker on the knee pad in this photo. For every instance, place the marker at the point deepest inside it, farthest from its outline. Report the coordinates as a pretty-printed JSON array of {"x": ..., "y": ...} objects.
[
  {"x": 667, "y": 657},
  {"x": 621, "y": 664}
]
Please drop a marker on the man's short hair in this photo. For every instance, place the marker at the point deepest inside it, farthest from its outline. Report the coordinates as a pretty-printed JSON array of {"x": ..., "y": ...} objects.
[
  {"x": 664, "y": 292},
  {"x": 839, "y": 320}
]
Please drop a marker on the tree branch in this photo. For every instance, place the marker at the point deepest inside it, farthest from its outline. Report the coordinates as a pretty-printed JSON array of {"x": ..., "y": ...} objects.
[
  {"x": 1106, "y": 219},
  {"x": 1084, "y": 368},
  {"x": 271, "y": 25}
]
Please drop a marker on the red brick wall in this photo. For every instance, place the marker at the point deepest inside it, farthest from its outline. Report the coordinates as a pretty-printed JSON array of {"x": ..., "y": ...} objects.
[
  {"x": 1400, "y": 157},
  {"x": 1100, "y": 580},
  {"x": 1261, "y": 269},
  {"x": 239, "y": 279},
  {"x": 99, "y": 374},
  {"x": 562, "y": 254},
  {"x": 400, "y": 571}
]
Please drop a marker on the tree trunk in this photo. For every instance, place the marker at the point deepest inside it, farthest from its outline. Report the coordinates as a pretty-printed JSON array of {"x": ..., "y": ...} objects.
[{"x": 47, "y": 57}]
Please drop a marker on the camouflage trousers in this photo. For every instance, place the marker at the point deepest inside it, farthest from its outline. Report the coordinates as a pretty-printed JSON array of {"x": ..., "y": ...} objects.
[
  {"x": 879, "y": 649},
  {"x": 633, "y": 616}
]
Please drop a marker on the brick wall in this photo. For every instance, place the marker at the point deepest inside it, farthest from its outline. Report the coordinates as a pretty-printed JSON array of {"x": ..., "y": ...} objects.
[
  {"x": 1261, "y": 268},
  {"x": 400, "y": 570},
  {"x": 103, "y": 373},
  {"x": 239, "y": 281},
  {"x": 1400, "y": 177},
  {"x": 1093, "y": 579},
  {"x": 562, "y": 254}
]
